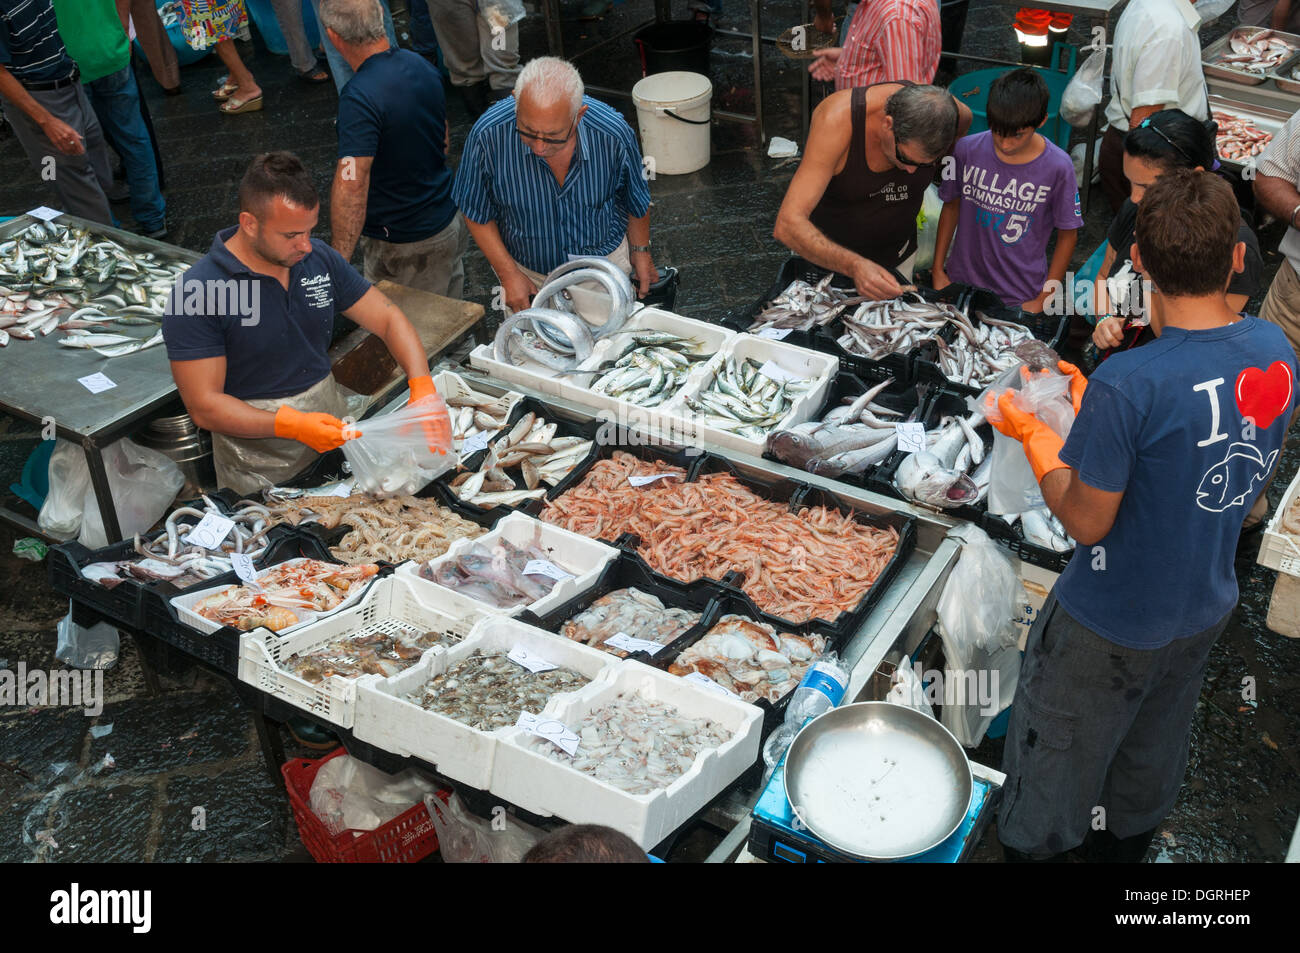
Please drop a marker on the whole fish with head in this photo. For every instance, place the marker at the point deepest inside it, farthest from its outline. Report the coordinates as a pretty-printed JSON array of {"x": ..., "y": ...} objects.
[{"x": 803, "y": 306}]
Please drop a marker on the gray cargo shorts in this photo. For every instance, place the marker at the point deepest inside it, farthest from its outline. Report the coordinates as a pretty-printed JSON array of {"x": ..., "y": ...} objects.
[{"x": 1098, "y": 733}]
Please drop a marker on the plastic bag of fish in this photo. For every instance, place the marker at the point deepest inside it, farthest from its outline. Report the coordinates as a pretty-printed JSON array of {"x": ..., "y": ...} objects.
[
  {"x": 366, "y": 653},
  {"x": 494, "y": 576},
  {"x": 630, "y": 612},
  {"x": 488, "y": 691},
  {"x": 751, "y": 659}
]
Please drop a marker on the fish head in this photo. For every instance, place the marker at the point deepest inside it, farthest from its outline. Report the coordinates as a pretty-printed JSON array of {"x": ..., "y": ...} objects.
[{"x": 793, "y": 448}]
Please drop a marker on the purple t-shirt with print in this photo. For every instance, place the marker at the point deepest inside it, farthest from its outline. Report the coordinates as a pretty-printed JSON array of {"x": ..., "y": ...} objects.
[{"x": 1007, "y": 216}]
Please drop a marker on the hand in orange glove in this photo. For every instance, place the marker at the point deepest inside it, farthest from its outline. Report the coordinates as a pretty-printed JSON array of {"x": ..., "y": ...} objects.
[
  {"x": 1042, "y": 445},
  {"x": 321, "y": 432},
  {"x": 436, "y": 422},
  {"x": 1078, "y": 383}
]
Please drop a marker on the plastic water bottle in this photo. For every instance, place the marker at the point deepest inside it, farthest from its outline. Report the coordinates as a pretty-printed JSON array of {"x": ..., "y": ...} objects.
[{"x": 820, "y": 690}]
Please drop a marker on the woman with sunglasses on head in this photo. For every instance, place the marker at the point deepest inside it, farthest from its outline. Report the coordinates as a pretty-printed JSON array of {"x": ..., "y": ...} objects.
[{"x": 1169, "y": 139}]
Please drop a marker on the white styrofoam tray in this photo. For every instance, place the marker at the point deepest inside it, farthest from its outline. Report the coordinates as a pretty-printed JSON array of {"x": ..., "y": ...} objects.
[
  {"x": 389, "y": 604},
  {"x": 1280, "y": 550},
  {"x": 450, "y": 384},
  {"x": 185, "y": 603},
  {"x": 583, "y": 557},
  {"x": 386, "y": 719},
  {"x": 532, "y": 780}
]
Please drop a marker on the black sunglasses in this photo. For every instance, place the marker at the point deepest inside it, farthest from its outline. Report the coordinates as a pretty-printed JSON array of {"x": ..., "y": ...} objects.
[
  {"x": 906, "y": 161},
  {"x": 1148, "y": 124},
  {"x": 546, "y": 139}
]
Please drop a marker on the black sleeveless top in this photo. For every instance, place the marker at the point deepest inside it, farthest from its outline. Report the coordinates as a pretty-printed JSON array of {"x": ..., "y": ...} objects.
[{"x": 872, "y": 213}]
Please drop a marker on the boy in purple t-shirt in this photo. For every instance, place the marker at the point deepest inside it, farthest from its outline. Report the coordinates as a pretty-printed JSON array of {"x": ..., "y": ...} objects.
[{"x": 1005, "y": 192}]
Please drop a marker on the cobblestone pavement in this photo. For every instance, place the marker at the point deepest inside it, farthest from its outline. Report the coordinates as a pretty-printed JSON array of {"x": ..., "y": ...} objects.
[{"x": 190, "y": 752}]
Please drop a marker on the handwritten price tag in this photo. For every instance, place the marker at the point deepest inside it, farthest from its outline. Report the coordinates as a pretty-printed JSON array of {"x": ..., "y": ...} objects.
[
  {"x": 911, "y": 437},
  {"x": 550, "y": 730},
  {"x": 96, "y": 383},
  {"x": 648, "y": 478},
  {"x": 621, "y": 640},
  {"x": 475, "y": 443},
  {"x": 705, "y": 682},
  {"x": 211, "y": 531},
  {"x": 342, "y": 490},
  {"x": 45, "y": 214},
  {"x": 775, "y": 334},
  {"x": 776, "y": 372},
  {"x": 542, "y": 567},
  {"x": 534, "y": 663},
  {"x": 243, "y": 566}
]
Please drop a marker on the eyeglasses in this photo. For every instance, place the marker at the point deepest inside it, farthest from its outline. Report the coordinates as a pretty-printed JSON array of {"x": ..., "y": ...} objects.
[
  {"x": 546, "y": 139},
  {"x": 904, "y": 160},
  {"x": 1148, "y": 124}
]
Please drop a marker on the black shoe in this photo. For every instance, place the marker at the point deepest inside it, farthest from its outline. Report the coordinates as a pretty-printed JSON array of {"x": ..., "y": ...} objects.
[
  {"x": 157, "y": 234},
  {"x": 475, "y": 98},
  {"x": 118, "y": 192},
  {"x": 1103, "y": 847}
]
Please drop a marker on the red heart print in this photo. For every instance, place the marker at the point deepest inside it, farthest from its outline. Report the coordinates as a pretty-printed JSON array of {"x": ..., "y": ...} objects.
[{"x": 1263, "y": 395}]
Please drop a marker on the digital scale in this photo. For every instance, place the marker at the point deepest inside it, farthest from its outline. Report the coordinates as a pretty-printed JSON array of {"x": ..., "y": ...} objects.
[{"x": 776, "y": 835}]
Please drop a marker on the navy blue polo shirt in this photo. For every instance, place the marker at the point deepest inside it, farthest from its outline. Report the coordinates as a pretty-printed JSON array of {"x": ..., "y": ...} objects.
[
  {"x": 274, "y": 341},
  {"x": 30, "y": 46},
  {"x": 394, "y": 110}
]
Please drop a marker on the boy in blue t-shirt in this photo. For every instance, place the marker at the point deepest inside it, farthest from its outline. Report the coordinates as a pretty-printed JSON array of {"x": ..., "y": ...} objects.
[{"x": 1172, "y": 444}]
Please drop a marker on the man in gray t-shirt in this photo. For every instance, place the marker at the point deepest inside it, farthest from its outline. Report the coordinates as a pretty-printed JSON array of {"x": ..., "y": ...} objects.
[{"x": 1277, "y": 14}]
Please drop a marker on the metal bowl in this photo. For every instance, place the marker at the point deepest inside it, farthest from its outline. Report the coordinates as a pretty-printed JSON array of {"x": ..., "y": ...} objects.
[{"x": 878, "y": 781}]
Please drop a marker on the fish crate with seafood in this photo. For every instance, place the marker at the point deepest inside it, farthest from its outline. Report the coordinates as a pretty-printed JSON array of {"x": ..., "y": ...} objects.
[
  {"x": 1244, "y": 130},
  {"x": 452, "y": 708},
  {"x": 1010, "y": 538},
  {"x": 473, "y": 413},
  {"x": 1280, "y": 548},
  {"x": 522, "y": 563},
  {"x": 629, "y": 600},
  {"x": 793, "y": 312},
  {"x": 687, "y": 745},
  {"x": 1251, "y": 55},
  {"x": 317, "y": 668}
]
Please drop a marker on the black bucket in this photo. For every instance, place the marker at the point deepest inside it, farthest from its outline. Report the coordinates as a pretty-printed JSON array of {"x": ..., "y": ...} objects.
[{"x": 676, "y": 45}]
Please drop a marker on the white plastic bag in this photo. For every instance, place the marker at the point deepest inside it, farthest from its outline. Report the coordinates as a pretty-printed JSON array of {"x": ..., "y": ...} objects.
[
  {"x": 144, "y": 484},
  {"x": 927, "y": 227},
  {"x": 96, "y": 647},
  {"x": 466, "y": 839},
  {"x": 69, "y": 476},
  {"x": 1083, "y": 94},
  {"x": 906, "y": 689},
  {"x": 393, "y": 454},
  {"x": 348, "y": 794}
]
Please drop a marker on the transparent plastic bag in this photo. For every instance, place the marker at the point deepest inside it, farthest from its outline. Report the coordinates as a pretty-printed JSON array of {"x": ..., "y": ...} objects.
[
  {"x": 144, "y": 484},
  {"x": 348, "y": 794},
  {"x": 1083, "y": 94},
  {"x": 397, "y": 453},
  {"x": 1013, "y": 488},
  {"x": 69, "y": 476},
  {"x": 96, "y": 647},
  {"x": 466, "y": 839},
  {"x": 906, "y": 689},
  {"x": 977, "y": 607},
  {"x": 927, "y": 227}
]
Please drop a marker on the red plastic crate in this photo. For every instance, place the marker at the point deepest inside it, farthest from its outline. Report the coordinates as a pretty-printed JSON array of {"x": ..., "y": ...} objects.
[{"x": 403, "y": 840}]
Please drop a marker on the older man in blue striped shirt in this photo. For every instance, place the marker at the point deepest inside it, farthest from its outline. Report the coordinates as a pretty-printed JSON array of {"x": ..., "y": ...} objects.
[{"x": 550, "y": 174}]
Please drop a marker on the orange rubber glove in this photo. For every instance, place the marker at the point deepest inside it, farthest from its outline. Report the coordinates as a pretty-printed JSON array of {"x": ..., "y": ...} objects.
[
  {"x": 421, "y": 387},
  {"x": 437, "y": 425},
  {"x": 1042, "y": 445},
  {"x": 321, "y": 432},
  {"x": 1078, "y": 383}
]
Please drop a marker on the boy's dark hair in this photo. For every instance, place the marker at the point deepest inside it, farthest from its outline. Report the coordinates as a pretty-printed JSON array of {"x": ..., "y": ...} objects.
[
  {"x": 1017, "y": 100},
  {"x": 585, "y": 844},
  {"x": 276, "y": 173},
  {"x": 1186, "y": 230},
  {"x": 1171, "y": 139}
]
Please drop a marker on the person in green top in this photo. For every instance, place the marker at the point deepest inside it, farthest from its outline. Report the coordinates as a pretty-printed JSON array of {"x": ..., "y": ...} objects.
[{"x": 94, "y": 37}]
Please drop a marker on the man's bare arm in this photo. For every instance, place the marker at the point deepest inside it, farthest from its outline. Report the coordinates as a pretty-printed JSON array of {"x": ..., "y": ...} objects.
[
  {"x": 202, "y": 385},
  {"x": 1086, "y": 512},
  {"x": 378, "y": 315},
  {"x": 348, "y": 198}
]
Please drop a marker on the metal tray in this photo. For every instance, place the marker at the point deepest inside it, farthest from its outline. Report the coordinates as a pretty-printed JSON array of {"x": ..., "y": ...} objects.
[
  {"x": 1220, "y": 47},
  {"x": 1265, "y": 117}
]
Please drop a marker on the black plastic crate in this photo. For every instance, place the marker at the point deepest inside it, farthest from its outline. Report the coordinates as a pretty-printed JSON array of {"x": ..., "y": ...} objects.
[
  {"x": 1007, "y": 536},
  {"x": 792, "y": 269}
]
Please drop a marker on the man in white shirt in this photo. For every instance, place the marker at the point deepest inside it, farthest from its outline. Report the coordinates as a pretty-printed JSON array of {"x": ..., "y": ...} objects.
[{"x": 1156, "y": 65}]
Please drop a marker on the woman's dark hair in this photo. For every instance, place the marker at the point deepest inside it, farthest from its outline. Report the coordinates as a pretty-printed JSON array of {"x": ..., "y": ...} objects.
[
  {"x": 276, "y": 173},
  {"x": 1171, "y": 139},
  {"x": 1017, "y": 100}
]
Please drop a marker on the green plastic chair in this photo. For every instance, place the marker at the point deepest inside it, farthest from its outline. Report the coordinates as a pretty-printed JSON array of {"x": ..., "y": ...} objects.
[{"x": 973, "y": 90}]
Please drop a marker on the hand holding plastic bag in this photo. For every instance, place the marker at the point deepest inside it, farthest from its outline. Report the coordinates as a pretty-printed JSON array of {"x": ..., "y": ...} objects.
[
  {"x": 402, "y": 451},
  {"x": 437, "y": 424},
  {"x": 321, "y": 432}
]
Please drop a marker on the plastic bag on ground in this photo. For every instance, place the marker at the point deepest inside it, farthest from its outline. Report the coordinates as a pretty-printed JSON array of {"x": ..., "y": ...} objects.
[
  {"x": 96, "y": 647},
  {"x": 1083, "y": 94},
  {"x": 69, "y": 476},
  {"x": 466, "y": 839},
  {"x": 348, "y": 794},
  {"x": 398, "y": 453}
]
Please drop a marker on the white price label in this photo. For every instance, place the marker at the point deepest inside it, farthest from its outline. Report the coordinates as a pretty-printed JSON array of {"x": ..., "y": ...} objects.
[
  {"x": 776, "y": 372},
  {"x": 548, "y": 729},
  {"x": 775, "y": 334},
  {"x": 705, "y": 682},
  {"x": 542, "y": 567},
  {"x": 534, "y": 663},
  {"x": 621, "y": 640},
  {"x": 45, "y": 214},
  {"x": 343, "y": 490},
  {"x": 243, "y": 566},
  {"x": 475, "y": 443},
  {"x": 211, "y": 531},
  {"x": 649, "y": 478},
  {"x": 911, "y": 437},
  {"x": 96, "y": 383}
]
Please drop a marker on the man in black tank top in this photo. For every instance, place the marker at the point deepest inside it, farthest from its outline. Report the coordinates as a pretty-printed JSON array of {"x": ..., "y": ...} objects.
[{"x": 852, "y": 205}]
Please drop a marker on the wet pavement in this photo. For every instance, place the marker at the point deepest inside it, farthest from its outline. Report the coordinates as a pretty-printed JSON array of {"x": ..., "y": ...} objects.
[{"x": 187, "y": 781}]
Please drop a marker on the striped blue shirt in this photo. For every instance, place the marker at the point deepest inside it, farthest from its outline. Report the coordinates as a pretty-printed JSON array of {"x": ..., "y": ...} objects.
[
  {"x": 30, "y": 47},
  {"x": 541, "y": 222}
]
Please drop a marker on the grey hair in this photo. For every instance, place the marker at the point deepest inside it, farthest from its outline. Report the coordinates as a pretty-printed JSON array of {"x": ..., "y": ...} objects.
[
  {"x": 925, "y": 115},
  {"x": 357, "y": 22},
  {"x": 549, "y": 79}
]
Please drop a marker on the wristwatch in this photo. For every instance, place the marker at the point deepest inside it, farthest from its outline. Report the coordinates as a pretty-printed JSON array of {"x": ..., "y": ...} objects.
[
  {"x": 639, "y": 248},
  {"x": 1293, "y": 214}
]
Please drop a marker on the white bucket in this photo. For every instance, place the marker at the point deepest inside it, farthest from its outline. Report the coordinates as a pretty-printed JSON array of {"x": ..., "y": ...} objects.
[{"x": 673, "y": 110}]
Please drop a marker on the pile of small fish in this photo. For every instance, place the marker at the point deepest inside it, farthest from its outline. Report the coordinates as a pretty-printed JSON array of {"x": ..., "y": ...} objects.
[
  {"x": 489, "y": 691},
  {"x": 475, "y": 413},
  {"x": 981, "y": 352},
  {"x": 1041, "y": 527},
  {"x": 494, "y": 576},
  {"x": 636, "y": 744},
  {"x": 307, "y": 584},
  {"x": 533, "y": 448},
  {"x": 938, "y": 476},
  {"x": 880, "y": 328},
  {"x": 651, "y": 368},
  {"x": 1255, "y": 52},
  {"x": 1239, "y": 139},
  {"x": 847, "y": 440},
  {"x": 751, "y": 659},
  {"x": 817, "y": 562},
  {"x": 393, "y": 529},
  {"x": 802, "y": 306},
  {"x": 170, "y": 557},
  {"x": 743, "y": 400},
  {"x": 56, "y": 277},
  {"x": 630, "y": 612},
  {"x": 372, "y": 653}
]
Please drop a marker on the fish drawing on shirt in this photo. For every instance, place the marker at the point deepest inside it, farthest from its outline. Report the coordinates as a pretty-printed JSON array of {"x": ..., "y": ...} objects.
[{"x": 1234, "y": 480}]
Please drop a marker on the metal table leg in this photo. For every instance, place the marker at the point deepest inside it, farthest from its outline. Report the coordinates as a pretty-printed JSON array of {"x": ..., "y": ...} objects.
[
  {"x": 103, "y": 491},
  {"x": 268, "y": 736},
  {"x": 756, "y": 22}
]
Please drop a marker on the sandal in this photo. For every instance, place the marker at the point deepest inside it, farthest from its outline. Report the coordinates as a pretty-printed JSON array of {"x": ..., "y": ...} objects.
[
  {"x": 232, "y": 106},
  {"x": 225, "y": 90},
  {"x": 317, "y": 74}
]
